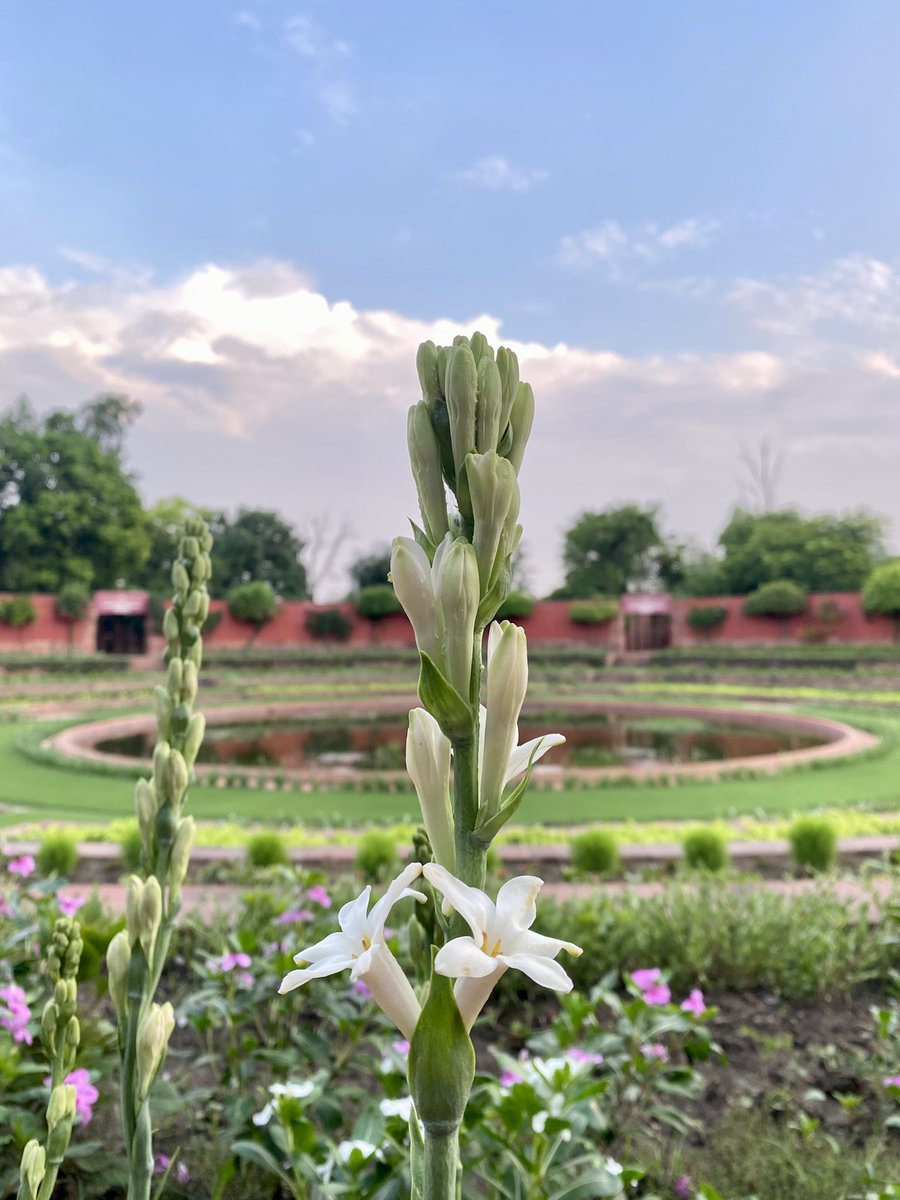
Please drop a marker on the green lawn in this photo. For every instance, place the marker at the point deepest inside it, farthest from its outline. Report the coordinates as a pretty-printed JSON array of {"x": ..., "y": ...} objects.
[{"x": 33, "y": 791}]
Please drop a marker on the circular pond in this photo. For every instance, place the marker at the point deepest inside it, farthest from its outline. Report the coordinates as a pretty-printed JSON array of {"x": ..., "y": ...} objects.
[{"x": 597, "y": 739}]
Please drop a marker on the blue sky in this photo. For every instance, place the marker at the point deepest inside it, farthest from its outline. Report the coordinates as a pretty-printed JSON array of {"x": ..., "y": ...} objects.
[{"x": 700, "y": 200}]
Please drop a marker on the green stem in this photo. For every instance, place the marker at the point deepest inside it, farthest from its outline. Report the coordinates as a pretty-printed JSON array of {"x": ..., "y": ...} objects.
[
  {"x": 470, "y": 857},
  {"x": 441, "y": 1163}
]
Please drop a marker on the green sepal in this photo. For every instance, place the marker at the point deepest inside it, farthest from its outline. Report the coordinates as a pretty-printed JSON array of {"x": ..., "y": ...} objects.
[
  {"x": 440, "y": 423},
  {"x": 441, "y": 1058},
  {"x": 443, "y": 701},
  {"x": 497, "y": 591},
  {"x": 416, "y": 1158},
  {"x": 486, "y": 830},
  {"x": 422, "y": 539}
]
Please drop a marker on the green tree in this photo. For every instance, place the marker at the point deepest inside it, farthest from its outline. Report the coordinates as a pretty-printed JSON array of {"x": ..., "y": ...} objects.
[
  {"x": 165, "y": 520},
  {"x": 881, "y": 594},
  {"x": 72, "y": 602},
  {"x": 821, "y": 554},
  {"x": 779, "y": 599},
  {"x": 371, "y": 570},
  {"x": 606, "y": 551},
  {"x": 255, "y": 603},
  {"x": 258, "y": 545},
  {"x": 68, "y": 510}
]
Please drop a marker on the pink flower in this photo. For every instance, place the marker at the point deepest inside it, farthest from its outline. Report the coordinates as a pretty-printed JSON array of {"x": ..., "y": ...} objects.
[
  {"x": 229, "y": 961},
  {"x": 318, "y": 895},
  {"x": 683, "y": 1187},
  {"x": 5, "y": 910},
  {"x": 695, "y": 1003},
  {"x": 891, "y": 1081},
  {"x": 508, "y": 1078},
  {"x": 245, "y": 979},
  {"x": 647, "y": 977},
  {"x": 361, "y": 990},
  {"x": 658, "y": 995},
  {"x": 583, "y": 1056},
  {"x": 69, "y": 906},
  {"x": 401, "y": 1048},
  {"x": 22, "y": 866},
  {"x": 18, "y": 1014},
  {"x": 86, "y": 1095},
  {"x": 294, "y": 916},
  {"x": 655, "y": 1050},
  {"x": 163, "y": 1162}
]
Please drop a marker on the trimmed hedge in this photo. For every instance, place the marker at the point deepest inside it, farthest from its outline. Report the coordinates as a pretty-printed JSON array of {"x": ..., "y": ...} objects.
[
  {"x": 328, "y": 624},
  {"x": 779, "y": 598},
  {"x": 377, "y": 601},
  {"x": 593, "y": 612},
  {"x": 710, "y": 616},
  {"x": 516, "y": 606}
]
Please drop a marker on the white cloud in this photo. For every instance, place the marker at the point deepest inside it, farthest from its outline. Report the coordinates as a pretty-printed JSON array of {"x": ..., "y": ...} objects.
[
  {"x": 327, "y": 58},
  {"x": 619, "y": 249},
  {"x": 247, "y": 19},
  {"x": 495, "y": 173},
  {"x": 260, "y": 389}
]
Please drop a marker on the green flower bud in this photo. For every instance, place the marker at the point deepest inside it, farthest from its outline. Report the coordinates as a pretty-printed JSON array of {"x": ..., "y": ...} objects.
[
  {"x": 490, "y": 399},
  {"x": 462, "y": 399},
  {"x": 181, "y": 581},
  {"x": 495, "y": 500},
  {"x": 118, "y": 958},
  {"x": 150, "y": 915},
  {"x": 161, "y": 752},
  {"x": 153, "y": 1036},
  {"x": 61, "y": 1105},
  {"x": 193, "y": 603},
  {"x": 32, "y": 1170},
  {"x": 190, "y": 547},
  {"x": 73, "y": 1035},
  {"x": 411, "y": 575},
  {"x": 185, "y": 835},
  {"x": 521, "y": 419},
  {"x": 134, "y": 891},
  {"x": 481, "y": 348},
  {"x": 189, "y": 683},
  {"x": 508, "y": 366},
  {"x": 427, "y": 366},
  {"x": 203, "y": 611},
  {"x": 162, "y": 707},
  {"x": 145, "y": 807},
  {"x": 425, "y": 457},
  {"x": 441, "y": 1060},
  {"x": 173, "y": 678},
  {"x": 49, "y": 1024},
  {"x": 206, "y": 539},
  {"x": 195, "y": 653},
  {"x": 176, "y": 776},
  {"x": 457, "y": 588},
  {"x": 171, "y": 630},
  {"x": 193, "y": 738}
]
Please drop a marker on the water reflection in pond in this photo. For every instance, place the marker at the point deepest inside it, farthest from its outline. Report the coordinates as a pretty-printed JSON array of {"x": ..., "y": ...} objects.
[{"x": 600, "y": 740}]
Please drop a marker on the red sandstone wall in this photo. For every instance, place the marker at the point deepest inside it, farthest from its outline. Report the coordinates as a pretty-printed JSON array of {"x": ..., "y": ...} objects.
[
  {"x": 47, "y": 634},
  {"x": 738, "y": 629}
]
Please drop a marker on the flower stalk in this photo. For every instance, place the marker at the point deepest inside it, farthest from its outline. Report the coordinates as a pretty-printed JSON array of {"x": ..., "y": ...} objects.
[{"x": 137, "y": 954}]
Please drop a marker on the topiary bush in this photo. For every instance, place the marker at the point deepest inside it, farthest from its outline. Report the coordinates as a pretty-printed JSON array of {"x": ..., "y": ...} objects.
[
  {"x": 881, "y": 594},
  {"x": 71, "y": 605},
  {"x": 705, "y": 850},
  {"x": 516, "y": 607},
  {"x": 267, "y": 849},
  {"x": 593, "y": 612},
  {"x": 254, "y": 603},
  {"x": 813, "y": 843},
  {"x": 377, "y": 601},
  {"x": 328, "y": 624},
  {"x": 705, "y": 618},
  {"x": 595, "y": 852},
  {"x": 58, "y": 854},
  {"x": 780, "y": 598},
  {"x": 17, "y": 612},
  {"x": 376, "y": 855}
]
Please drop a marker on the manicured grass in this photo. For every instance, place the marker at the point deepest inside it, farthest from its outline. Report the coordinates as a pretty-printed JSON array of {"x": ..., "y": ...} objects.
[{"x": 35, "y": 790}]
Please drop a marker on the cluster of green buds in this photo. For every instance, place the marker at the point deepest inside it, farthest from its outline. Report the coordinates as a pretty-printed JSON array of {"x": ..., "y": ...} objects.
[
  {"x": 61, "y": 1036},
  {"x": 137, "y": 954}
]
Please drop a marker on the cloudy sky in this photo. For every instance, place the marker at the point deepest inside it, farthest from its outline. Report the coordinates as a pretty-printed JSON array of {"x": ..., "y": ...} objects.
[{"x": 684, "y": 217}]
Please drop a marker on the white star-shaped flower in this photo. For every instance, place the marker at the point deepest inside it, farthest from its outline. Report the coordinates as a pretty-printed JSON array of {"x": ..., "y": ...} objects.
[
  {"x": 360, "y": 947},
  {"x": 502, "y": 937}
]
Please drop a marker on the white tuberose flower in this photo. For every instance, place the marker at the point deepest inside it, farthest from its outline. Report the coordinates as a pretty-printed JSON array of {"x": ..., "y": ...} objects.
[
  {"x": 360, "y": 946},
  {"x": 501, "y": 937}
]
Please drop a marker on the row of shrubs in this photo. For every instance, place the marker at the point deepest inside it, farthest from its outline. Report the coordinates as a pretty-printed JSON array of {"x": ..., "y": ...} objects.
[{"x": 813, "y": 841}]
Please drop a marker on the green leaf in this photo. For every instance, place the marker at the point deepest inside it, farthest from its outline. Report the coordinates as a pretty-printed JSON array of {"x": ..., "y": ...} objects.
[
  {"x": 443, "y": 701},
  {"x": 260, "y": 1157},
  {"x": 485, "y": 831}
]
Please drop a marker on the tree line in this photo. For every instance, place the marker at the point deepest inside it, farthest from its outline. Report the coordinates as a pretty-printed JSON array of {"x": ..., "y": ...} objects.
[{"x": 71, "y": 516}]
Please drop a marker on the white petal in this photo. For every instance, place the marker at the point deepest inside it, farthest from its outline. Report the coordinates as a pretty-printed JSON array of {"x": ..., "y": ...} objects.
[
  {"x": 471, "y": 904},
  {"x": 396, "y": 890},
  {"x": 472, "y": 992},
  {"x": 329, "y": 966},
  {"x": 392, "y": 991},
  {"x": 516, "y": 902},
  {"x": 353, "y": 916},
  {"x": 529, "y": 942},
  {"x": 521, "y": 755},
  {"x": 495, "y": 633},
  {"x": 462, "y": 957},
  {"x": 544, "y": 971},
  {"x": 362, "y": 962},
  {"x": 335, "y": 945}
]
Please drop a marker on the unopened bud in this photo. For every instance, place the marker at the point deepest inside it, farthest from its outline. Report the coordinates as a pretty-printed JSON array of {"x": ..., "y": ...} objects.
[
  {"x": 161, "y": 752},
  {"x": 176, "y": 777},
  {"x": 481, "y": 347},
  {"x": 190, "y": 547},
  {"x": 425, "y": 458},
  {"x": 193, "y": 738},
  {"x": 61, "y": 1105},
  {"x": 134, "y": 892},
  {"x": 150, "y": 915},
  {"x": 162, "y": 707},
  {"x": 171, "y": 630},
  {"x": 145, "y": 806},
  {"x": 427, "y": 360},
  {"x": 494, "y": 490},
  {"x": 189, "y": 683},
  {"x": 118, "y": 958},
  {"x": 153, "y": 1036},
  {"x": 462, "y": 399},
  {"x": 521, "y": 419},
  {"x": 192, "y": 604},
  {"x": 490, "y": 400},
  {"x": 203, "y": 612},
  {"x": 185, "y": 835},
  {"x": 173, "y": 678},
  {"x": 181, "y": 581},
  {"x": 428, "y": 764},
  {"x": 458, "y": 593},
  {"x": 508, "y": 366},
  {"x": 32, "y": 1170},
  {"x": 49, "y": 1023},
  {"x": 411, "y": 575}
]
